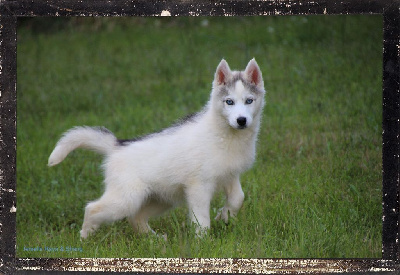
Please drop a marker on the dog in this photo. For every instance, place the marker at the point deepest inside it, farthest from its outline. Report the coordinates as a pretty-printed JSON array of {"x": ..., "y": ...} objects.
[{"x": 189, "y": 161}]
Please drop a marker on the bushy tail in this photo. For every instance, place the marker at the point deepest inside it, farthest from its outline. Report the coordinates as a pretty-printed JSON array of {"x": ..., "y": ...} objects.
[{"x": 98, "y": 139}]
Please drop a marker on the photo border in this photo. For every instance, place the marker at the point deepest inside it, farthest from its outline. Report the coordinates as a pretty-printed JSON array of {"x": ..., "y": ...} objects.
[{"x": 11, "y": 10}]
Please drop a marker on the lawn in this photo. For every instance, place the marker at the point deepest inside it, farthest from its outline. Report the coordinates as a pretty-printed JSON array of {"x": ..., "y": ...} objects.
[{"x": 315, "y": 188}]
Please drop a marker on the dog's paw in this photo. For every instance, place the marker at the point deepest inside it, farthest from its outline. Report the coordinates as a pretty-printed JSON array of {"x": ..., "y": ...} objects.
[
  {"x": 201, "y": 232},
  {"x": 86, "y": 233},
  {"x": 223, "y": 214}
]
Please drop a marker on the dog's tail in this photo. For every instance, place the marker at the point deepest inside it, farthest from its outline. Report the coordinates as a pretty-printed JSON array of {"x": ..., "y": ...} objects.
[{"x": 98, "y": 139}]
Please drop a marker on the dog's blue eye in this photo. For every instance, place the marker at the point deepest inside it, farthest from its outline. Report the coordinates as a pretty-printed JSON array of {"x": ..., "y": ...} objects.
[
  {"x": 229, "y": 102},
  {"x": 249, "y": 101}
]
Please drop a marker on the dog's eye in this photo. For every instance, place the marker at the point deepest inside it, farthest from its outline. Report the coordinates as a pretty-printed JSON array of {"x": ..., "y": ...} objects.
[
  {"x": 229, "y": 102},
  {"x": 249, "y": 101}
]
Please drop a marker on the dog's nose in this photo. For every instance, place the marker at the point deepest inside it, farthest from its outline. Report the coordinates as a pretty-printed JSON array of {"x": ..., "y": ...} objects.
[{"x": 241, "y": 121}]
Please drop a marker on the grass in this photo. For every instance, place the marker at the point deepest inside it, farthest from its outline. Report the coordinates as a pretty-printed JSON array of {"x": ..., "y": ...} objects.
[{"x": 315, "y": 189}]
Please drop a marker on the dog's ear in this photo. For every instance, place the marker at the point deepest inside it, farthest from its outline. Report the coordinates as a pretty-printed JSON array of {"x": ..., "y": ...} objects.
[
  {"x": 223, "y": 73},
  {"x": 253, "y": 73}
]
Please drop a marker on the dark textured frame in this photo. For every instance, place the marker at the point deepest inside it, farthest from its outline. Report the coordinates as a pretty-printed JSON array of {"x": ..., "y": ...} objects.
[{"x": 11, "y": 10}]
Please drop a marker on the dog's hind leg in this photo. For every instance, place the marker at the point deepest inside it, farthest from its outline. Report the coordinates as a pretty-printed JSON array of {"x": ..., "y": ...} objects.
[
  {"x": 234, "y": 200},
  {"x": 112, "y": 206},
  {"x": 153, "y": 208}
]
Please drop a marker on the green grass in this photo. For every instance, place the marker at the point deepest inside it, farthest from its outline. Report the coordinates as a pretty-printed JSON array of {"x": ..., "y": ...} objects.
[{"x": 315, "y": 189}]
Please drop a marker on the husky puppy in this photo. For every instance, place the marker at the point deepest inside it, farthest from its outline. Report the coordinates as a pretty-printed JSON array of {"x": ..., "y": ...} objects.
[{"x": 189, "y": 161}]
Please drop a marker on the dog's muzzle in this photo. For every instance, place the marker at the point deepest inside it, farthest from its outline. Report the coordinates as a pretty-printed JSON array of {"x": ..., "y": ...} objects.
[{"x": 241, "y": 121}]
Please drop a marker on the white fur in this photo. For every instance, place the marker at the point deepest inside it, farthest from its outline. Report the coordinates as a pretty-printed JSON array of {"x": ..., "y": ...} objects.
[{"x": 187, "y": 162}]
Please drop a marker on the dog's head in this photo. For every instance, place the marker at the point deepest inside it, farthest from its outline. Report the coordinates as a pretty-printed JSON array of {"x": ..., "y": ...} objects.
[{"x": 238, "y": 96}]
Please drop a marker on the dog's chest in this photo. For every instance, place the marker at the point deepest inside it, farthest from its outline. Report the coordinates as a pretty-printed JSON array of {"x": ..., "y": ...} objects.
[{"x": 235, "y": 154}]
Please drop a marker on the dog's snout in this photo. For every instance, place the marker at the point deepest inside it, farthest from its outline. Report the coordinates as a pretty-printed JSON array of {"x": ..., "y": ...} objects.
[{"x": 241, "y": 121}]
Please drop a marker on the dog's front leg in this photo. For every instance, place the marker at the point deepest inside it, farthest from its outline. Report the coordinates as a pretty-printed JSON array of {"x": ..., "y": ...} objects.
[
  {"x": 234, "y": 200},
  {"x": 198, "y": 199}
]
